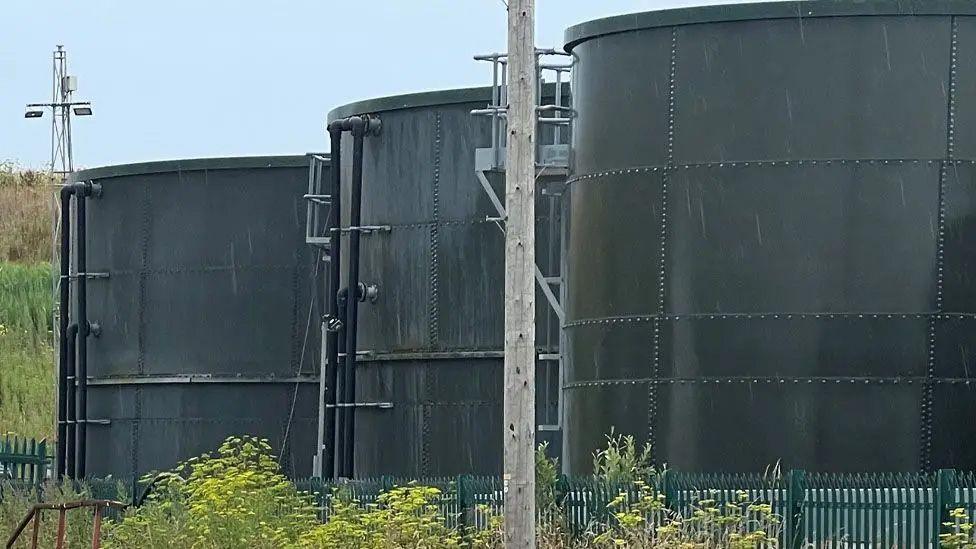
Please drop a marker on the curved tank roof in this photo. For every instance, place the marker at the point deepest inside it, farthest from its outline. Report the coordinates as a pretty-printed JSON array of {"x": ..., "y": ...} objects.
[
  {"x": 436, "y": 98},
  {"x": 761, "y": 10},
  {"x": 165, "y": 166},
  {"x": 412, "y": 100}
]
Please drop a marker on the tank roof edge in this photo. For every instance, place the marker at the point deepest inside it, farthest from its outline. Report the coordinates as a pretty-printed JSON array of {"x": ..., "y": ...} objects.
[
  {"x": 588, "y": 30},
  {"x": 423, "y": 99},
  {"x": 191, "y": 164}
]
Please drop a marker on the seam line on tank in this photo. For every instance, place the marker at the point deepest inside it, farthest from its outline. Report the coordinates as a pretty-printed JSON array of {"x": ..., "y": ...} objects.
[
  {"x": 767, "y": 163},
  {"x": 652, "y": 395},
  {"x": 295, "y": 338},
  {"x": 624, "y": 319},
  {"x": 772, "y": 380},
  {"x": 450, "y": 222},
  {"x": 197, "y": 270},
  {"x": 927, "y": 401},
  {"x": 134, "y": 433},
  {"x": 433, "y": 321},
  {"x": 146, "y": 420}
]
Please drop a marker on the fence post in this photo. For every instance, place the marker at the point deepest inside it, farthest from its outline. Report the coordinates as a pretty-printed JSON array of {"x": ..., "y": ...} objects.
[
  {"x": 944, "y": 497},
  {"x": 31, "y": 468},
  {"x": 795, "y": 495},
  {"x": 42, "y": 454},
  {"x": 462, "y": 502},
  {"x": 667, "y": 487}
]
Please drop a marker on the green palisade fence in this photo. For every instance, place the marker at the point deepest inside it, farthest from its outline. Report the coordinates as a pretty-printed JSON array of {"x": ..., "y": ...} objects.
[
  {"x": 23, "y": 459},
  {"x": 870, "y": 510},
  {"x": 823, "y": 510}
]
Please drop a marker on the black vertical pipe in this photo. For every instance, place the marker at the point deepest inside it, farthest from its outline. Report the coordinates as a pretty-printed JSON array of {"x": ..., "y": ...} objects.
[
  {"x": 71, "y": 343},
  {"x": 332, "y": 336},
  {"x": 81, "y": 420},
  {"x": 352, "y": 301},
  {"x": 341, "y": 412},
  {"x": 64, "y": 283}
]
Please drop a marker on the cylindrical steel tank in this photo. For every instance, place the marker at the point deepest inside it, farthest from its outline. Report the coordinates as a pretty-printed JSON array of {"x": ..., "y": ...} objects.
[
  {"x": 204, "y": 294},
  {"x": 771, "y": 239},
  {"x": 430, "y": 347}
]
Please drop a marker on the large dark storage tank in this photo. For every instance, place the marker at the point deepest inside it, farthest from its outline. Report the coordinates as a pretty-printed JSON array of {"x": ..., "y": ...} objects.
[
  {"x": 204, "y": 311},
  {"x": 771, "y": 248},
  {"x": 433, "y": 339}
]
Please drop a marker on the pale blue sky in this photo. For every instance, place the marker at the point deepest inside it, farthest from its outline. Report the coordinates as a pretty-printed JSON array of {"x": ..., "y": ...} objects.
[{"x": 190, "y": 78}]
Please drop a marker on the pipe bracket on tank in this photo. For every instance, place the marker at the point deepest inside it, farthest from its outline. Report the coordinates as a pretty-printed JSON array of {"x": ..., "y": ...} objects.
[
  {"x": 380, "y": 405},
  {"x": 366, "y": 229},
  {"x": 87, "y": 276},
  {"x": 91, "y": 421},
  {"x": 333, "y": 324}
]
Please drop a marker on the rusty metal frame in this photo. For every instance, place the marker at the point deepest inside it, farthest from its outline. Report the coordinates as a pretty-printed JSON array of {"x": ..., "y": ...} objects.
[{"x": 34, "y": 519}]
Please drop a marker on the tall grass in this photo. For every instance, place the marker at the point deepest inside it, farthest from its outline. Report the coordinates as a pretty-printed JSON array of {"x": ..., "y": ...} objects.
[
  {"x": 25, "y": 215},
  {"x": 25, "y": 299},
  {"x": 16, "y": 499},
  {"x": 27, "y": 386},
  {"x": 27, "y": 371}
]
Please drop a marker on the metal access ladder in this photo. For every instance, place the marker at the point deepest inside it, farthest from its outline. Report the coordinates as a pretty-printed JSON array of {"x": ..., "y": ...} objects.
[
  {"x": 552, "y": 160},
  {"x": 319, "y": 204}
]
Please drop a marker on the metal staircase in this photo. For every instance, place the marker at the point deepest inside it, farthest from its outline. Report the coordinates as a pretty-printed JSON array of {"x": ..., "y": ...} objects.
[{"x": 552, "y": 164}]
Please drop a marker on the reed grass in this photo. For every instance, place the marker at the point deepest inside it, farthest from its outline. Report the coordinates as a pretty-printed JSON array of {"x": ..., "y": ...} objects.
[
  {"x": 25, "y": 215},
  {"x": 27, "y": 370}
]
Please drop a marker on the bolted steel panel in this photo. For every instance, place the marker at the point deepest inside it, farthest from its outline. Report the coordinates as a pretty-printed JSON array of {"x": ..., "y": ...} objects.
[
  {"x": 208, "y": 276},
  {"x": 769, "y": 249},
  {"x": 440, "y": 273}
]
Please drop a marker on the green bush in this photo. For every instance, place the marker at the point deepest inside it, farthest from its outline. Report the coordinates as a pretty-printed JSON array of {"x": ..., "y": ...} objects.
[
  {"x": 236, "y": 498},
  {"x": 622, "y": 460},
  {"x": 405, "y": 517},
  {"x": 959, "y": 532}
]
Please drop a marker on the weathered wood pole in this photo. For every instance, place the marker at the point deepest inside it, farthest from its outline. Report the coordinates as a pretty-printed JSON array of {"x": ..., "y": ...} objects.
[{"x": 519, "y": 401}]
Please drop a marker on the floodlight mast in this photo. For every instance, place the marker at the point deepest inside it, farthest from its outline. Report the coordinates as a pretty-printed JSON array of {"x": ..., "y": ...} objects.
[
  {"x": 61, "y": 107},
  {"x": 61, "y": 164}
]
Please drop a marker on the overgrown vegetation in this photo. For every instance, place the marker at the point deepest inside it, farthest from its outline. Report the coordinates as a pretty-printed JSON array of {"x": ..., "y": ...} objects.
[
  {"x": 960, "y": 532},
  {"x": 25, "y": 215},
  {"x": 26, "y": 361},
  {"x": 234, "y": 498},
  {"x": 16, "y": 501},
  {"x": 237, "y": 497},
  {"x": 26, "y": 357}
]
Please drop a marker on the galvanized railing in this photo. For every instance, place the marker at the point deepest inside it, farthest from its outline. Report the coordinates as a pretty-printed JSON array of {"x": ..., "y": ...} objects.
[{"x": 557, "y": 114}]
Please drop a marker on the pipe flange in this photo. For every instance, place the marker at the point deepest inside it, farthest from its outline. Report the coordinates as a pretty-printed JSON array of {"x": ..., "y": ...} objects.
[
  {"x": 368, "y": 292},
  {"x": 374, "y": 126}
]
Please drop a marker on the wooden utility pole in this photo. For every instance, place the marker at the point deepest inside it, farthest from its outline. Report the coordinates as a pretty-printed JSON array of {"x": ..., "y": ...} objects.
[{"x": 519, "y": 413}]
